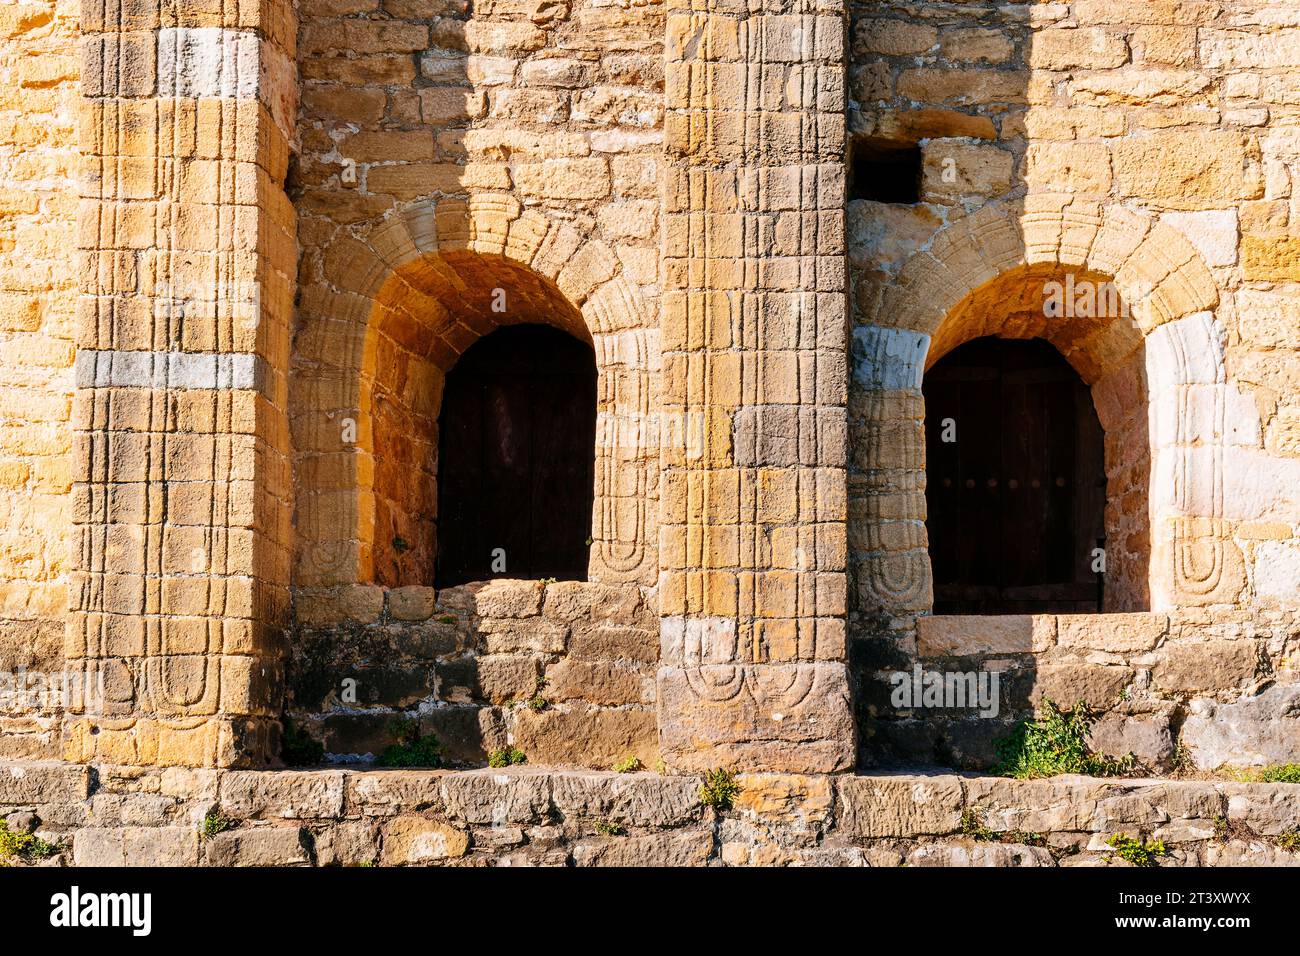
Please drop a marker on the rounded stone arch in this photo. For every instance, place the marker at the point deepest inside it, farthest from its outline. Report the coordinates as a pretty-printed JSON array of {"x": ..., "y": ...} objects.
[
  {"x": 400, "y": 302},
  {"x": 1165, "y": 344}
]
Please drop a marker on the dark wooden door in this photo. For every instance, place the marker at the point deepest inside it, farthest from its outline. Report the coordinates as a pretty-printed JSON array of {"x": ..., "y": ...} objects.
[
  {"x": 1016, "y": 499},
  {"x": 516, "y": 455}
]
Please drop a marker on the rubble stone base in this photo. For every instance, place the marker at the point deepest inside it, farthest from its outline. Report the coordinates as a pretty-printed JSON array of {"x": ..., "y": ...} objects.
[{"x": 543, "y": 816}]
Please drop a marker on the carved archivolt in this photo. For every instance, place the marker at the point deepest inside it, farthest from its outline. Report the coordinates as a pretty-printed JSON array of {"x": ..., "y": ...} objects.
[{"x": 934, "y": 305}]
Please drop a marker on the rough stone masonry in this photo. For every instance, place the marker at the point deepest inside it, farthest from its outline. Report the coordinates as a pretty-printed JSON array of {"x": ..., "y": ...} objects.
[{"x": 243, "y": 244}]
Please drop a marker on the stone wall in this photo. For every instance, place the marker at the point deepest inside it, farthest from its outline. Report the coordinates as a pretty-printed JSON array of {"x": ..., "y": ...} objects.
[
  {"x": 39, "y": 73},
  {"x": 462, "y": 170},
  {"x": 1210, "y": 690},
  {"x": 1148, "y": 146},
  {"x": 115, "y": 817},
  {"x": 294, "y": 217},
  {"x": 562, "y": 671}
]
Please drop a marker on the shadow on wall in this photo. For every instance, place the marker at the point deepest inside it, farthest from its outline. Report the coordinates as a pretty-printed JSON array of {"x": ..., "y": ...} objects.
[{"x": 563, "y": 671}]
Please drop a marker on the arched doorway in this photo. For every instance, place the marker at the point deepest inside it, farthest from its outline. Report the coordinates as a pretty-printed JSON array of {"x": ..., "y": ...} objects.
[
  {"x": 515, "y": 464},
  {"x": 1015, "y": 481}
]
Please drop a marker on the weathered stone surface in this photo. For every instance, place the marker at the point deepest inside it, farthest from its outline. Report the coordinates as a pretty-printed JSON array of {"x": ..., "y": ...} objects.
[
  {"x": 418, "y": 840},
  {"x": 387, "y": 792},
  {"x": 634, "y": 799},
  {"x": 348, "y": 844},
  {"x": 1117, "y": 633},
  {"x": 684, "y": 848},
  {"x": 136, "y": 846},
  {"x": 786, "y": 799},
  {"x": 1249, "y": 853},
  {"x": 609, "y": 642},
  {"x": 257, "y": 795},
  {"x": 530, "y": 816},
  {"x": 587, "y": 736},
  {"x": 814, "y": 736},
  {"x": 598, "y": 682},
  {"x": 1209, "y": 665},
  {"x": 1097, "y": 685},
  {"x": 895, "y": 806},
  {"x": 957, "y": 635},
  {"x": 1267, "y": 808},
  {"x": 959, "y": 170},
  {"x": 1136, "y": 809},
  {"x": 1189, "y": 169},
  {"x": 532, "y": 635},
  {"x": 411, "y": 603},
  {"x": 40, "y": 782},
  {"x": 497, "y": 796},
  {"x": 980, "y": 854},
  {"x": 1089, "y": 47},
  {"x": 1270, "y": 258},
  {"x": 1148, "y": 736},
  {"x": 259, "y": 846},
  {"x": 1035, "y": 806},
  {"x": 509, "y": 599},
  {"x": 501, "y": 678},
  {"x": 1255, "y": 731}
]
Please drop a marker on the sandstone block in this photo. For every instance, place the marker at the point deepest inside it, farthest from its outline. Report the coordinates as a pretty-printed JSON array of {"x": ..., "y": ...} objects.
[
  {"x": 680, "y": 848},
  {"x": 955, "y": 170},
  {"x": 509, "y": 599},
  {"x": 530, "y": 635},
  {"x": 596, "y": 682},
  {"x": 700, "y": 729},
  {"x": 497, "y": 796},
  {"x": 633, "y": 799},
  {"x": 1147, "y": 736},
  {"x": 892, "y": 37},
  {"x": 1117, "y": 633},
  {"x": 586, "y": 736},
  {"x": 1090, "y": 48},
  {"x": 136, "y": 846},
  {"x": 389, "y": 792},
  {"x": 411, "y": 840},
  {"x": 564, "y": 179},
  {"x": 1190, "y": 170},
  {"x": 259, "y": 846},
  {"x": 411, "y": 603},
  {"x": 897, "y": 806},
  {"x": 1097, "y": 685},
  {"x": 500, "y": 678},
  {"x": 43, "y": 782},
  {"x": 980, "y": 854},
  {"x": 1069, "y": 167},
  {"x": 1254, "y": 731},
  {"x": 258, "y": 795},
  {"x": 956, "y": 635},
  {"x": 1206, "y": 665},
  {"x": 347, "y": 844}
]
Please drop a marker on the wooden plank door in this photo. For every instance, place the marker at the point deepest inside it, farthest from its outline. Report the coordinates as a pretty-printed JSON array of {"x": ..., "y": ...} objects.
[
  {"x": 516, "y": 457},
  {"x": 1016, "y": 499}
]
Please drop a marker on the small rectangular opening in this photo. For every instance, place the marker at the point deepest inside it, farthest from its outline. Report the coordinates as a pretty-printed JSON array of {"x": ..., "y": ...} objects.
[{"x": 884, "y": 171}]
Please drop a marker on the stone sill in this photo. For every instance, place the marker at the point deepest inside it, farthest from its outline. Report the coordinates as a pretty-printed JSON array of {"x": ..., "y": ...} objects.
[
  {"x": 122, "y": 816},
  {"x": 960, "y": 635}
]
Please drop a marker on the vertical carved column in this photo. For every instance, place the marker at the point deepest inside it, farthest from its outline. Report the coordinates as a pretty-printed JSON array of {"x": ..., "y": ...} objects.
[
  {"x": 181, "y": 497},
  {"x": 752, "y": 541}
]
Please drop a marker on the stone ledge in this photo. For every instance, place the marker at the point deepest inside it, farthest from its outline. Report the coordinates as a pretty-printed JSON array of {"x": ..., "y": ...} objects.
[{"x": 558, "y": 816}]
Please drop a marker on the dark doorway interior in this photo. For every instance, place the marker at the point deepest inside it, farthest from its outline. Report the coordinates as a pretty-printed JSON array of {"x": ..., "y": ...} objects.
[
  {"x": 516, "y": 455},
  {"x": 1016, "y": 502}
]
